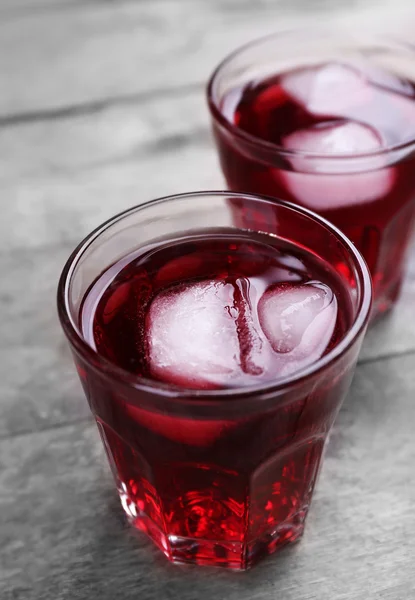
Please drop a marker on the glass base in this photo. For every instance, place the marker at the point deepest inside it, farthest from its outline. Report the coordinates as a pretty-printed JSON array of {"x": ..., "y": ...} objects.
[{"x": 231, "y": 555}]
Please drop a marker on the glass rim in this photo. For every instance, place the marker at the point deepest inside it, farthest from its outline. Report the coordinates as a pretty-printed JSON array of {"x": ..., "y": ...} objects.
[
  {"x": 257, "y": 142},
  {"x": 110, "y": 370}
]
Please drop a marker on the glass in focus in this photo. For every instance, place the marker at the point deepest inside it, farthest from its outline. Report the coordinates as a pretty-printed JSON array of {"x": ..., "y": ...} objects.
[
  {"x": 326, "y": 120},
  {"x": 215, "y": 360}
]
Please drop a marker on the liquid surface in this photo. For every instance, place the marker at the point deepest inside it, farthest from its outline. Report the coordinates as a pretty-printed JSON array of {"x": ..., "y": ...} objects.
[
  {"x": 331, "y": 108},
  {"x": 216, "y": 311}
]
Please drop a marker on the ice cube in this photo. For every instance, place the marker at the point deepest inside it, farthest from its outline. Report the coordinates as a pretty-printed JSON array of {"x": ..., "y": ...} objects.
[
  {"x": 326, "y": 191},
  {"x": 328, "y": 89},
  {"x": 192, "y": 335},
  {"x": 298, "y": 321},
  {"x": 330, "y": 192},
  {"x": 340, "y": 137}
]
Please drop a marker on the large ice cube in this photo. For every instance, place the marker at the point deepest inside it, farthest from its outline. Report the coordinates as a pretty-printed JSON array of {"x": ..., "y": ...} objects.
[
  {"x": 326, "y": 191},
  {"x": 298, "y": 321},
  {"x": 328, "y": 89},
  {"x": 362, "y": 93},
  {"x": 192, "y": 335},
  {"x": 330, "y": 192},
  {"x": 339, "y": 137}
]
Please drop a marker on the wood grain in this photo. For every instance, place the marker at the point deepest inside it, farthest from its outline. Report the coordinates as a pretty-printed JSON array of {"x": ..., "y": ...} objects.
[
  {"x": 62, "y": 178},
  {"x": 103, "y": 134},
  {"x": 58, "y": 507},
  {"x": 11, "y": 7}
]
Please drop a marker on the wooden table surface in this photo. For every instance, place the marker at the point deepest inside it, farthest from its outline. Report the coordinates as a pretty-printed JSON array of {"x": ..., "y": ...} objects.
[{"x": 101, "y": 107}]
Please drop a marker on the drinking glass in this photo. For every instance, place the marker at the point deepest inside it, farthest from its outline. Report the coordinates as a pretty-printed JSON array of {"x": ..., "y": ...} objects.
[
  {"x": 369, "y": 195},
  {"x": 225, "y": 476}
]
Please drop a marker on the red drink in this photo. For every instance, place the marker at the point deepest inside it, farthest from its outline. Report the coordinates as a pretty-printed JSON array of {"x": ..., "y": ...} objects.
[
  {"x": 206, "y": 358},
  {"x": 336, "y": 137}
]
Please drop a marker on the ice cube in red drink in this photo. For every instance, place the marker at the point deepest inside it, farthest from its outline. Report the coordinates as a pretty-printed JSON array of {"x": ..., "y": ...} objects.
[
  {"x": 322, "y": 192},
  {"x": 335, "y": 136}
]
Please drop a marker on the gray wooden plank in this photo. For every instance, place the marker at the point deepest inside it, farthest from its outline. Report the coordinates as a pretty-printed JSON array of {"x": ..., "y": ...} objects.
[
  {"x": 39, "y": 390},
  {"x": 49, "y": 211},
  {"x": 50, "y": 61},
  {"x": 102, "y": 135},
  {"x": 12, "y": 7},
  {"x": 64, "y": 177},
  {"x": 38, "y": 386},
  {"x": 394, "y": 334},
  {"x": 64, "y": 537},
  {"x": 33, "y": 5}
]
